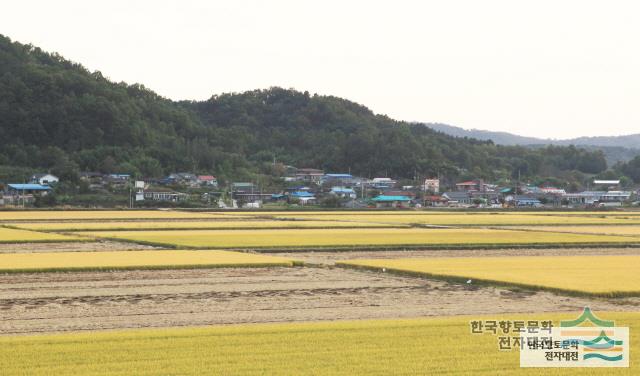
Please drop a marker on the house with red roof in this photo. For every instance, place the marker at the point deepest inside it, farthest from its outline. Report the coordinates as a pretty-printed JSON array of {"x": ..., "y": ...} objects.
[{"x": 207, "y": 180}]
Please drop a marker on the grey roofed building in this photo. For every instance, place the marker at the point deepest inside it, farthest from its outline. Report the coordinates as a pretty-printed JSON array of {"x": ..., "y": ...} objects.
[
  {"x": 242, "y": 187},
  {"x": 586, "y": 197},
  {"x": 460, "y": 197},
  {"x": 521, "y": 200}
]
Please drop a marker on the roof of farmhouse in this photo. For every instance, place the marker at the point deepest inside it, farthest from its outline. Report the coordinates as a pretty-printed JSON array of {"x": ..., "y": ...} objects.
[
  {"x": 339, "y": 175},
  {"x": 342, "y": 190},
  {"x": 301, "y": 194},
  {"x": 384, "y": 198},
  {"x": 29, "y": 187}
]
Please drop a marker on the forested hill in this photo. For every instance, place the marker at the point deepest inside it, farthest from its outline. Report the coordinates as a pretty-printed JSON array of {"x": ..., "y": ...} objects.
[{"x": 58, "y": 116}]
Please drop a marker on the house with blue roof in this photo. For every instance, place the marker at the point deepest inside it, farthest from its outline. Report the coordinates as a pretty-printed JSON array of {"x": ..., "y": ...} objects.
[
  {"x": 343, "y": 192},
  {"x": 304, "y": 197},
  {"x": 385, "y": 201},
  {"x": 339, "y": 179},
  {"x": 23, "y": 193},
  {"x": 29, "y": 188}
]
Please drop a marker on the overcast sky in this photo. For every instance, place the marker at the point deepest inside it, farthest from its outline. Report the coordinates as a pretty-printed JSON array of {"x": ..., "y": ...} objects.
[{"x": 558, "y": 69}]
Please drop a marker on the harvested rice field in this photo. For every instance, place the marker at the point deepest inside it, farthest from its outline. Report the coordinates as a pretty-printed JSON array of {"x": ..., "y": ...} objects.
[
  {"x": 399, "y": 347},
  {"x": 9, "y": 235},
  {"x": 329, "y": 258},
  {"x": 73, "y": 246},
  {"x": 33, "y": 303},
  {"x": 353, "y": 238},
  {"x": 604, "y": 230},
  {"x": 596, "y": 275}
]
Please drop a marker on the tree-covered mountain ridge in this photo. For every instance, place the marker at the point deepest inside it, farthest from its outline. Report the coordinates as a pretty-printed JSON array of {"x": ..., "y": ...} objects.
[{"x": 56, "y": 115}]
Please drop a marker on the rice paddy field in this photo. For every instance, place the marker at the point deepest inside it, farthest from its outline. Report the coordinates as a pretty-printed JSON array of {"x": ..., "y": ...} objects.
[
  {"x": 474, "y": 219},
  {"x": 370, "y": 347},
  {"x": 169, "y": 259},
  {"x": 353, "y": 238},
  {"x": 432, "y": 212},
  {"x": 189, "y": 225},
  {"x": 70, "y": 215},
  {"x": 597, "y": 275},
  {"x": 9, "y": 235},
  {"x": 171, "y": 292}
]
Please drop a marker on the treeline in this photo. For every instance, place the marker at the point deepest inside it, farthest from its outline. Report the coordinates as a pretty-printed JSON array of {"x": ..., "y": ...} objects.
[{"x": 57, "y": 116}]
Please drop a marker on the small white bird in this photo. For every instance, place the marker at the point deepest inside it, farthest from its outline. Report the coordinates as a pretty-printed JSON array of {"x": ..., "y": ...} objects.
[
  {"x": 469, "y": 282},
  {"x": 384, "y": 270}
]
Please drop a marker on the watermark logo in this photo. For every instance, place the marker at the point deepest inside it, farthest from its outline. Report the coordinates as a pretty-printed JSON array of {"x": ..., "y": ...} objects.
[{"x": 587, "y": 341}]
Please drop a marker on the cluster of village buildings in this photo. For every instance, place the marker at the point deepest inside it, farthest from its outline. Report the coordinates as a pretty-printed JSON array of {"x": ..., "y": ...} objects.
[{"x": 307, "y": 186}]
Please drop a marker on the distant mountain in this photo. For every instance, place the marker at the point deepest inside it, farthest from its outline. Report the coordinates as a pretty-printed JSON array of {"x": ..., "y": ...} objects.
[
  {"x": 630, "y": 141},
  {"x": 615, "y": 148},
  {"x": 502, "y": 138}
]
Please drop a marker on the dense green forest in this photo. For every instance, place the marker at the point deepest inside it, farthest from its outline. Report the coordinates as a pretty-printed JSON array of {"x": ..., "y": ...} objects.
[{"x": 55, "y": 115}]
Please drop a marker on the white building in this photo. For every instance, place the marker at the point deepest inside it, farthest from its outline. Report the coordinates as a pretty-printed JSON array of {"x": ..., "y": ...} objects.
[
  {"x": 553, "y": 191},
  {"x": 605, "y": 198},
  {"x": 606, "y": 182},
  {"x": 383, "y": 183},
  {"x": 432, "y": 185},
  {"x": 44, "y": 179}
]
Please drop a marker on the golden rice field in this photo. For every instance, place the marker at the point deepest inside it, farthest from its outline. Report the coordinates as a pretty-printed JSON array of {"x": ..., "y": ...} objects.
[
  {"x": 606, "y": 230},
  {"x": 472, "y": 219},
  {"x": 157, "y": 259},
  {"x": 597, "y": 275},
  {"x": 189, "y": 225},
  {"x": 66, "y": 215},
  {"x": 577, "y": 213},
  {"x": 354, "y": 238},
  {"x": 425, "y": 346},
  {"x": 9, "y": 235},
  {"x": 430, "y": 212},
  {"x": 332, "y": 212}
]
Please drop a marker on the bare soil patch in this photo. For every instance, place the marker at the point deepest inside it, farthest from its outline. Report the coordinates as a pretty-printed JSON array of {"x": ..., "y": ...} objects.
[
  {"x": 330, "y": 258},
  {"x": 71, "y": 247},
  {"x": 58, "y": 302}
]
